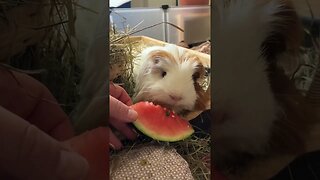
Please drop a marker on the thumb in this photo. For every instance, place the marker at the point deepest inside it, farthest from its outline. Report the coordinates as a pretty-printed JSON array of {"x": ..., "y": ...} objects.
[{"x": 121, "y": 111}]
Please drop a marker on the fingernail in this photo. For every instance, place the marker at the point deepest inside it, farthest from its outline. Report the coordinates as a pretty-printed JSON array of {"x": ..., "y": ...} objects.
[{"x": 132, "y": 114}]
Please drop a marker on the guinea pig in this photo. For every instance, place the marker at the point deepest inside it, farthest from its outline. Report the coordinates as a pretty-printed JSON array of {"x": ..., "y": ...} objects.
[
  {"x": 257, "y": 110},
  {"x": 170, "y": 76}
]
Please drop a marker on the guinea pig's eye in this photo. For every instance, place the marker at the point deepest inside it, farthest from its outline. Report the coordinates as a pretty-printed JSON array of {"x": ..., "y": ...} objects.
[
  {"x": 163, "y": 74},
  {"x": 196, "y": 76}
]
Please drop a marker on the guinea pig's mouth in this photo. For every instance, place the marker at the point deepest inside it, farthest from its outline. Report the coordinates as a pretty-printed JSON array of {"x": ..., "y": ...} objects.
[
  {"x": 166, "y": 105},
  {"x": 169, "y": 106},
  {"x": 163, "y": 104}
]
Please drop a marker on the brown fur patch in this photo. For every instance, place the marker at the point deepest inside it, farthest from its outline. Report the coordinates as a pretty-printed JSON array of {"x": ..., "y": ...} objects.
[
  {"x": 291, "y": 129},
  {"x": 293, "y": 125},
  {"x": 287, "y": 34},
  {"x": 203, "y": 97},
  {"x": 186, "y": 56}
]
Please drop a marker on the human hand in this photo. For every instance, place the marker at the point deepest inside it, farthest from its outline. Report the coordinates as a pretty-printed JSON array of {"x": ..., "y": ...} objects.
[
  {"x": 93, "y": 146},
  {"x": 120, "y": 114},
  {"x": 31, "y": 100}
]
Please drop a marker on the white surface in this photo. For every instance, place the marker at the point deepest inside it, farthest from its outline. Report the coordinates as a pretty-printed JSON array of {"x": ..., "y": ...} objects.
[
  {"x": 195, "y": 21},
  {"x": 117, "y": 3}
]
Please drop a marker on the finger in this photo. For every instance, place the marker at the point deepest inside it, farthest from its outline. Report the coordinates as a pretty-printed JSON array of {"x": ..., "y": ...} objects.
[
  {"x": 114, "y": 142},
  {"x": 119, "y": 93},
  {"x": 93, "y": 145},
  {"x": 124, "y": 129},
  {"x": 120, "y": 111}
]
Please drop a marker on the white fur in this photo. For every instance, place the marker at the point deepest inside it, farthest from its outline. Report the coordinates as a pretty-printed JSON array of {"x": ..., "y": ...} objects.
[
  {"x": 178, "y": 81},
  {"x": 242, "y": 91}
]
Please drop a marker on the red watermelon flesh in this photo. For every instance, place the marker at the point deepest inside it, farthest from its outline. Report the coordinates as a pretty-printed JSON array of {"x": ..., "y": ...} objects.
[{"x": 160, "y": 123}]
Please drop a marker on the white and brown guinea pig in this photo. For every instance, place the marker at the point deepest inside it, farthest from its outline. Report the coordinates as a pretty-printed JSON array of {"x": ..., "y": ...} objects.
[
  {"x": 256, "y": 108},
  {"x": 169, "y": 76}
]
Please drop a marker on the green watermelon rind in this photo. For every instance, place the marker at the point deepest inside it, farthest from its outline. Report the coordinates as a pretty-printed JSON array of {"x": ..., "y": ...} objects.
[{"x": 160, "y": 137}]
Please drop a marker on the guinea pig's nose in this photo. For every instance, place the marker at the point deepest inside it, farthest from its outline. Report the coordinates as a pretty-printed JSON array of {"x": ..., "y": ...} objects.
[{"x": 175, "y": 97}]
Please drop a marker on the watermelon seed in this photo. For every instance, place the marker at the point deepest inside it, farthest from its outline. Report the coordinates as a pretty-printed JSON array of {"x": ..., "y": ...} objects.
[{"x": 167, "y": 113}]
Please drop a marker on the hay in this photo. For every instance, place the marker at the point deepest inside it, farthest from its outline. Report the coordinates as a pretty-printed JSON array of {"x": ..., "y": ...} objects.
[
  {"x": 304, "y": 75},
  {"x": 122, "y": 55},
  {"x": 38, "y": 34},
  {"x": 308, "y": 61}
]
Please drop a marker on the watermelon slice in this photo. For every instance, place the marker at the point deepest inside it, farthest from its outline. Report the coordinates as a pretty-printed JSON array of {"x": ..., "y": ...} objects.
[{"x": 160, "y": 123}]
